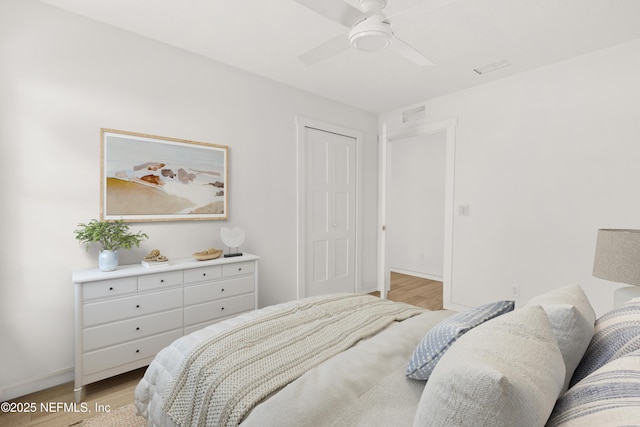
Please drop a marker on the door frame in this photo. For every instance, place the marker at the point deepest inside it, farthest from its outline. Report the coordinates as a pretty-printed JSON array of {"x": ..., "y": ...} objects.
[
  {"x": 303, "y": 123},
  {"x": 388, "y": 136}
]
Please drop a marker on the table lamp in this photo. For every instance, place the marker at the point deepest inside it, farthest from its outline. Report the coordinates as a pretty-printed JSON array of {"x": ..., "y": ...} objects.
[{"x": 618, "y": 259}]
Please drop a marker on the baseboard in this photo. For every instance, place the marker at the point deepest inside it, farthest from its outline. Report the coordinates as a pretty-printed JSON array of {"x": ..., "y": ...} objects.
[
  {"x": 36, "y": 384},
  {"x": 368, "y": 288},
  {"x": 417, "y": 274}
]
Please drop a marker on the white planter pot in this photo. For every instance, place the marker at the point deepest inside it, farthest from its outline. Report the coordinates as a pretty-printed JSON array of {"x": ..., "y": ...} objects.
[{"x": 108, "y": 260}]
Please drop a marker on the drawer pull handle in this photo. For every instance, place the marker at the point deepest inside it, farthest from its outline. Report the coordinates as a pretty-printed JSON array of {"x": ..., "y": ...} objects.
[
  {"x": 222, "y": 308},
  {"x": 137, "y": 351},
  {"x": 137, "y": 305},
  {"x": 110, "y": 288},
  {"x": 222, "y": 290},
  {"x": 239, "y": 268},
  {"x": 161, "y": 280},
  {"x": 204, "y": 274},
  {"x": 138, "y": 328}
]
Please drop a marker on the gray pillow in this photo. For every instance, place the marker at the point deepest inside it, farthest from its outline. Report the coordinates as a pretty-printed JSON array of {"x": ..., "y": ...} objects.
[
  {"x": 504, "y": 373},
  {"x": 438, "y": 340},
  {"x": 610, "y": 396},
  {"x": 572, "y": 317},
  {"x": 617, "y": 333}
]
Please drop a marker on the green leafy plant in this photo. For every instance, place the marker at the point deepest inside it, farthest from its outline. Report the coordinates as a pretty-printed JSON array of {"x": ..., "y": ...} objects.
[{"x": 110, "y": 235}]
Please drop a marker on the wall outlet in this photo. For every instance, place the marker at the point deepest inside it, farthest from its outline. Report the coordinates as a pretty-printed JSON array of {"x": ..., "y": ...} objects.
[
  {"x": 421, "y": 256},
  {"x": 463, "y": 210},
  {"x": 515, "y": 291}
]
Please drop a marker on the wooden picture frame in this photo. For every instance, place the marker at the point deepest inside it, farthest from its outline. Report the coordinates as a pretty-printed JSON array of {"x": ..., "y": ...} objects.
[{"x": 155, "y": 178}]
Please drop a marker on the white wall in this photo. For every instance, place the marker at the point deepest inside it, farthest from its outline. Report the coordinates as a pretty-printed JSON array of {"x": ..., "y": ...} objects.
[
  {"x": 415, "y": 205},
  {"x": 544, "y": 159},
  {"x": 62, "y": 78}
]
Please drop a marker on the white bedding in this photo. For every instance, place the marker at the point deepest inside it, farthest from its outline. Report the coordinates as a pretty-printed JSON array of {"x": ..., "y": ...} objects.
[{"x": 364, "y": 385}]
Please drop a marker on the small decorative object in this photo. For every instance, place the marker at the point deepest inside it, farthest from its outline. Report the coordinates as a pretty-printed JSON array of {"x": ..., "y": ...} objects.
[
  {"x": 233, "y": 238},
  {"x": 107, "y": 260},
  {"x": 154, "y": 259},
  {"x": 210, "y": 253},
  {"x": 111, "y": 235}
]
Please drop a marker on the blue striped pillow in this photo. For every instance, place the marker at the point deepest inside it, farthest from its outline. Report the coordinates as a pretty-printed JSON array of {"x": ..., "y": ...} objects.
[
  {"x": 616, "y": 333},
  {"x": 438, "y": 340},
  {"x": 610, "y": 396}
]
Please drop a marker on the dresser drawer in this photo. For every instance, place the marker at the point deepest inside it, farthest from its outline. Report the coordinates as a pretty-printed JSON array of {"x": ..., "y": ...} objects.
[
  {"x": 111, "y": 357},
  {"x": 195, "y": 294},
  {"x": 109, "y": 288},
  {"x": 159, "y": 280},
  {"x": 238, "y": 269},
  {"x": 127, "y": 330},
  {"x": 218, "y": 309},
  {"x": 128, "y": 307},
  {"x": 203, "y": 273}
]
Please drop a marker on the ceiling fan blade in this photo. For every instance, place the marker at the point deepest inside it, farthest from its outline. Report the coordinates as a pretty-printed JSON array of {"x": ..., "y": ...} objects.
[
  {"x": 410, "y": 53},
  {"x": 335, "y": 10},
  {"x": 326, "y": 50}
]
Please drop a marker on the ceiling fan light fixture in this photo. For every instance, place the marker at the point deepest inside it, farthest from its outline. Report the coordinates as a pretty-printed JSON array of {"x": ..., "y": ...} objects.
[{"x": 371, "y": 35}]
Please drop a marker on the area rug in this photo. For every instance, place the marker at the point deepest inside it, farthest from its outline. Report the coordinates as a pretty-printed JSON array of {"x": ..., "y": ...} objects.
[{"x": 123, "y": 416}]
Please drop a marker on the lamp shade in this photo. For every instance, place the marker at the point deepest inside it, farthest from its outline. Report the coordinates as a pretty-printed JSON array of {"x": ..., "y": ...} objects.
[{"x": 618, "y": 256}]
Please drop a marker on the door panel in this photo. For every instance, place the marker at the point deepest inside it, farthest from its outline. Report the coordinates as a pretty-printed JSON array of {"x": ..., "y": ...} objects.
[
  {"x": 319, "y": 212},
  {"x": 341, "y": 159},
  {"x": 342, "y": 258},
  {"x": 320, "y": 261},
  {"x": 331, "y": 208},
  {"x": 341, "y": 209}
]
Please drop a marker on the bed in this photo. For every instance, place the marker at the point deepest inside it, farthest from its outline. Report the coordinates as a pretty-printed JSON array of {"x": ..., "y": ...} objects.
[{"x": 358, "y": 360}]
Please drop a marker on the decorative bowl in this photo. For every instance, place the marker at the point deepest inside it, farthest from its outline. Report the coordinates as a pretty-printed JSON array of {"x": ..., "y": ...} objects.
[{"x": 207, "y": 255}]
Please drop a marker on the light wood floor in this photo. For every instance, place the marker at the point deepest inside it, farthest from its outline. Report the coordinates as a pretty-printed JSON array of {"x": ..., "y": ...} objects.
[
  {"x": 118, "y": 391},
  {"x": 101, "y": 396},
  {"x": 415, "y": 290}
]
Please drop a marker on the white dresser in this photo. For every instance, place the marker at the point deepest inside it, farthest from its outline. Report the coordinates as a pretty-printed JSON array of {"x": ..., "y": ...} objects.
[{"x": 124, "y": 317}]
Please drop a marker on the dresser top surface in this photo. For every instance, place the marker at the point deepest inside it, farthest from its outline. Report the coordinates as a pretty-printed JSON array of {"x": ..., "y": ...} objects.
[{"x": 94, "y": 274}]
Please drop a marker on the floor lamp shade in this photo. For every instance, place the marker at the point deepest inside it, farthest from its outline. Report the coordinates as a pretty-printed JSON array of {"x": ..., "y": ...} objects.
[{"x": 618, "y": 259}]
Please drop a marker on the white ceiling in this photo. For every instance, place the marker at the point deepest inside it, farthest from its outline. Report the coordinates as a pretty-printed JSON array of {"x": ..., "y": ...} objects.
[{"x": 266, "y": 37}]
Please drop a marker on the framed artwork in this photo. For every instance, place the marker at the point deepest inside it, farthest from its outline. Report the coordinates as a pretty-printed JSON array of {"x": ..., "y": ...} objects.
[{"x": 154, "y": 178}]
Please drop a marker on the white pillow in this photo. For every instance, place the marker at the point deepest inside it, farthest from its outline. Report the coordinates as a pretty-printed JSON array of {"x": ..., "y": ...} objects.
[
  {"x": 572, "y": 317},
  {"x": 610, "y": 396},
  {"x": 506, "y": 372}
]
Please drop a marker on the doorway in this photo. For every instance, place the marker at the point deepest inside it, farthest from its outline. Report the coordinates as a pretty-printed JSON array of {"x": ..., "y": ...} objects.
[
  {"x": 328, "y": 205},
  {"x": 389, "y": 137},
  {"x": 415, "y": 205}
]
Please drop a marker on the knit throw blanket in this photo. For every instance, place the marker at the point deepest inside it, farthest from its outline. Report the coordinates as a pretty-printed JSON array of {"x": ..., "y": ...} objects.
[{"x": 221, "y": 380}]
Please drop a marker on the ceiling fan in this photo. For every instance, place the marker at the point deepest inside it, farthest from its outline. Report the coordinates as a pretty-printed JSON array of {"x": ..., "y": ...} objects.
[{"x": 370, "y": 30}]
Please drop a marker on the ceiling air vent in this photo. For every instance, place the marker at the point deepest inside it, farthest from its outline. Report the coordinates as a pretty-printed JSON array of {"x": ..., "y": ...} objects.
[
  {"x": 492, "y": 67},
  {"x": 414, "y": 114}
]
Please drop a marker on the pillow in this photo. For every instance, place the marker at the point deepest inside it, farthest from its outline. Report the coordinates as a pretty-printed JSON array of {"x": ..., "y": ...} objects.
[
  {"x": 507, "y": 372},
  {"x": 610, "y": 396},
  {"x": 436, "y": 342},
  {"x": 572, "y": 318},
  {"x": 617, "y": 333}
]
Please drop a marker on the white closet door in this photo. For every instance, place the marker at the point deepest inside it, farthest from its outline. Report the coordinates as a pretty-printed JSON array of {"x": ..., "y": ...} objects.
[{"x": 331, "y": 212}]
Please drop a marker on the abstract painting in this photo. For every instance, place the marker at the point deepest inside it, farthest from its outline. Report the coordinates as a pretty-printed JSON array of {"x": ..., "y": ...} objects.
[{"x": 154, "y": 178}]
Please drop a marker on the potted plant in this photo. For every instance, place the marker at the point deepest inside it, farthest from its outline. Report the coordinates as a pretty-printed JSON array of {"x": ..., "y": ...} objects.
[{"x": 111, "y": 235}]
